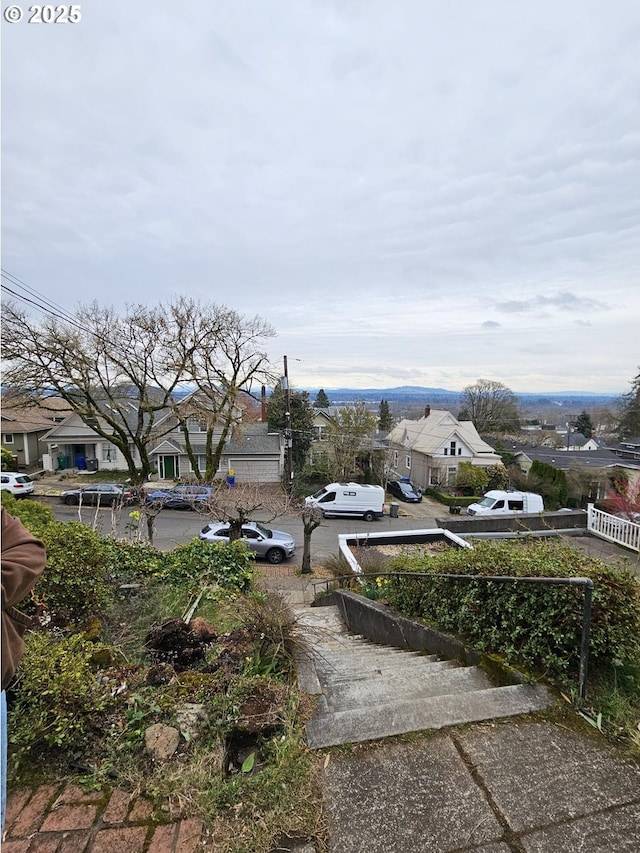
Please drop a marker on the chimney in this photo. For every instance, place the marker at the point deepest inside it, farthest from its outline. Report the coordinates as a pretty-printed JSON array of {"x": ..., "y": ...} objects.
[
  {"x": 427, "y": 411},
  {"x": 263, "y": 403}
]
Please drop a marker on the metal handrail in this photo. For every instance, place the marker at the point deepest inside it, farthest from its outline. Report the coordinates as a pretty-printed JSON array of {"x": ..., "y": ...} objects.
[{"x": 586, "y": 583}]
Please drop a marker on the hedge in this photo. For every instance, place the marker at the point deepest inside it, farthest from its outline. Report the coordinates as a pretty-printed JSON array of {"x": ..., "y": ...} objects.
[{"x": 539, "y": 626}]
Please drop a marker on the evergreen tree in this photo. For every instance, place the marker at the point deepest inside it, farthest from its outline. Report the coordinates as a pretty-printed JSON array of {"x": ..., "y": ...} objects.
[
  {"x": 321, "y": 401},
  {"x": 629, "y": 422},
  {"x": 584, "y": 424},
  {"x": 301, "y": 422},
  {"x": 385, "y": 421},
  {"x": 550, "y": 482}
]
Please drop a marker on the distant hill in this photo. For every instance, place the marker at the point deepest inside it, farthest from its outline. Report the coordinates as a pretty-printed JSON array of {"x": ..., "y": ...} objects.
[{"x": 413, "y": 395}]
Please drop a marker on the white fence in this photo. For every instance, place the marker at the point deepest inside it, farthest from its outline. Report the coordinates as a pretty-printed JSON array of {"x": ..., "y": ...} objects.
[{"x": 618, "y": 530}]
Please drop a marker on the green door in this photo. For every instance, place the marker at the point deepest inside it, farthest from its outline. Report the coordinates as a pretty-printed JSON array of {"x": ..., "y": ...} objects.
[{"x": 168, "y": 467}]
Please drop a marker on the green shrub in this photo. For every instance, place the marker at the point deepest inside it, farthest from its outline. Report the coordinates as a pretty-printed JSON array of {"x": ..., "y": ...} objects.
[
  {"x": 73, "y": 586},
  {"x": 534, "y": 624},
  {"x": 471, "y": 479},
  {"x": 209, "y": 564},
  {"x": 450, "y": 500},
  {"x": 34, "y": 515},
  {"x": 7, "y": 459},
  {"x": 131, "y": 561},
  {"x": 59, "y": 700}
]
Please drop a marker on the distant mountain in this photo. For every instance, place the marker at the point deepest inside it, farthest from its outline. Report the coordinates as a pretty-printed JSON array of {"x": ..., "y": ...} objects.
[
  {"x": 401, "y": 394},
  {"x": 444, "y": 398}
]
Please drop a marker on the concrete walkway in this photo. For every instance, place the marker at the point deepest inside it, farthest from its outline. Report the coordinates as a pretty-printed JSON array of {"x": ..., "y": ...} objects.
[{"x": 517, "y": 784}]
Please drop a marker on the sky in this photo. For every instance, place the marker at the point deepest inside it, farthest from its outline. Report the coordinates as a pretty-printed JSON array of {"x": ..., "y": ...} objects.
[{"x": 423, "y": 192}]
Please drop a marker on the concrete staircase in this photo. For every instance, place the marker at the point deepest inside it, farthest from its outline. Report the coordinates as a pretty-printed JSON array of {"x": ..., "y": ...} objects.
[{"x": 368, "y": 691}]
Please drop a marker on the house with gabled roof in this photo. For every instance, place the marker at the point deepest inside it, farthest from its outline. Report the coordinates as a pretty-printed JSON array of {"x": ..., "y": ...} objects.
[
  {"x": 25, "y": 424},
  {"x": 254, "y": 454},
  {"x": 73, "y": 444},
  {"x": 430, "y": 450},
  {"x": 250, "y": 450}
]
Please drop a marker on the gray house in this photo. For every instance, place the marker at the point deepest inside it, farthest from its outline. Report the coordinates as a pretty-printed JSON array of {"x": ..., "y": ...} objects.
[
  {"x": 252, "y": 452},
  {"x": 430, "y": 449},
  {"x": 25, "y": 426}
]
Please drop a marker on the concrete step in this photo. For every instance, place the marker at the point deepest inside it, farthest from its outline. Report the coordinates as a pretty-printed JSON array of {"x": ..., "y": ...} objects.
[
  {"x": 353, "y": 658},
  {"x": 362, "y": 724},
  {"x": 366, "y": 693},
  {"x": 337, "y": 671}
]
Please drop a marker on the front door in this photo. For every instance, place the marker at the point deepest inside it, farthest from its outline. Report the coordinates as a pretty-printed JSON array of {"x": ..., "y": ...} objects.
[{"x": 168, "y": 467}]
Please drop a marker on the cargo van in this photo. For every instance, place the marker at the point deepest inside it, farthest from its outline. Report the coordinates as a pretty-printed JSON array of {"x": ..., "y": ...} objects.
[
  {"x": 497, "y": 502},
  {"x": 355, "y": 499}
]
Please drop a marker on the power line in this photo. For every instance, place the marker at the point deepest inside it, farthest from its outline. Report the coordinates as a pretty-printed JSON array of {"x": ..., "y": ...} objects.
[{"x": 48, "y": 305}]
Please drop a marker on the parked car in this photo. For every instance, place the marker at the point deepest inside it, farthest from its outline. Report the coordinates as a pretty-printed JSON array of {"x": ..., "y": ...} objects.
[
  {"x": 20, "y": 485},
  {"x": 272, "y": 545},
  {"x": 187, "y": 496},
  {"x": 101, "y": 494},
  {"x": 404, "y": 490}
]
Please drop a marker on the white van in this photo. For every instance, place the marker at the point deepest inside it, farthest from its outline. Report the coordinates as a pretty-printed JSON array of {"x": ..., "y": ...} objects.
[
  {"x": 355, "y": 499},
  {"x": 497, "y": 502}
]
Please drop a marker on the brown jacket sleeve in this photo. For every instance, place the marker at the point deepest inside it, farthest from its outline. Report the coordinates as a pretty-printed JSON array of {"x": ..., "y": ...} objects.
[{"x": 23, "y": 561}]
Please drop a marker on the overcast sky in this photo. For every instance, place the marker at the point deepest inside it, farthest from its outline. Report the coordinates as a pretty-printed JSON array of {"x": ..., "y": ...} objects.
[{"x": 419, "y": 192}]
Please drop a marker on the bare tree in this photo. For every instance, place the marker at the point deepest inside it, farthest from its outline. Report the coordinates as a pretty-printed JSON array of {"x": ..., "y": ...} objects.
[
  {"x": 311, "y": 518},
  {"x": 491, "y": 406},
  {"x": 349, "y": 427},
  {"x": 223, "y": 355},
  {"x": 121, "y": 374},
  {"x": 238, "y": 504},
  {"x": 106, "y": 367}
]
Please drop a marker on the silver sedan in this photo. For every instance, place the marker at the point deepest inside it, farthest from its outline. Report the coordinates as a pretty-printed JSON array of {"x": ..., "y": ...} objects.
[{"x": 272, "y": 545}]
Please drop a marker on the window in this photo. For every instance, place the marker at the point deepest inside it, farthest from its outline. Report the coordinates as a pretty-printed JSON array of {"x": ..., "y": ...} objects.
[
  {"x": 516, "y": 506},
  {"x": 196, "y": 424},
  {"x": 249, "y": 533},
  {"x": 319, "y": 432},
  {"x": 452, "y": 446},
  {"x": 459, "y": 451},
  {"x": 407, "y": 463},
  {"x": 330, "y": 496},
  {"x": 108, "y": 453},
  {"x": 8, "y": 438},
  {"x": 395, "y": 458}
]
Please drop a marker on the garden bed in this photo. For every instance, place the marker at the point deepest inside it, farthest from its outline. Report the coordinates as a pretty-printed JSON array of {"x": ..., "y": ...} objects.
[{"x": 387, "y": 545}]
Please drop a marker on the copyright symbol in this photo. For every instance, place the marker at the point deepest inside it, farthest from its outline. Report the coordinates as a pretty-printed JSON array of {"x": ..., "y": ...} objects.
[{"x": 13, "y": 14}]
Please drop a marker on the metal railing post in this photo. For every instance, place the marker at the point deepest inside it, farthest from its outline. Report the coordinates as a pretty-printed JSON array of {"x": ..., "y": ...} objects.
[{"x": 584, "y": 643}]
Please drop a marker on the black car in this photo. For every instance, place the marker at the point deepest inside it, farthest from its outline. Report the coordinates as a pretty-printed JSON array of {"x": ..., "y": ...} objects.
[
  {"x": 404, "y": 490},
  {"x": 102, "y": 494}
]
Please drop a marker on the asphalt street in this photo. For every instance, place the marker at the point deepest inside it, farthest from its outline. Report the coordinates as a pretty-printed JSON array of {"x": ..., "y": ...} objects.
[{"x": 177, "y": 527}]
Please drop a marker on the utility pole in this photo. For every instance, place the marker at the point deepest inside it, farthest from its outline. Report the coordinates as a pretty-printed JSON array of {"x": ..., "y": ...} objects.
[{"x": 288, "y": 441}]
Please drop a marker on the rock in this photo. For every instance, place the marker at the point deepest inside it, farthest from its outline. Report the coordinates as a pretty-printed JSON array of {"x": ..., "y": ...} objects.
[
  {"x": 161, "y": 741},
  {"x": 192, "y": 720}
]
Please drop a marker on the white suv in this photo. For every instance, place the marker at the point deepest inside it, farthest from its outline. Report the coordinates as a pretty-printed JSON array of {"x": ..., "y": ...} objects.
[{"x": 19, "y": 485}]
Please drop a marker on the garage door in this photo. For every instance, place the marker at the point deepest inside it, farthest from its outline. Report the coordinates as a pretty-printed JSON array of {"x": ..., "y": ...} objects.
[{"x": 256, "y": 470}]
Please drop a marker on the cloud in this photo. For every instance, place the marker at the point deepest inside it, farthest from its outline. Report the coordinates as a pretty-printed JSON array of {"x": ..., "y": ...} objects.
[{"x": 329, "y": 167}]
